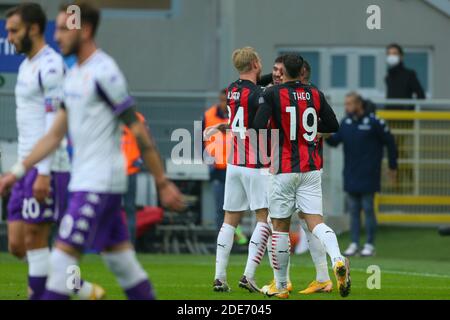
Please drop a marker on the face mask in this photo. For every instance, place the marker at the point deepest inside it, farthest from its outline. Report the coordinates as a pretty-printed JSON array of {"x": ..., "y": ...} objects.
[{"x": 393, "y": 60}]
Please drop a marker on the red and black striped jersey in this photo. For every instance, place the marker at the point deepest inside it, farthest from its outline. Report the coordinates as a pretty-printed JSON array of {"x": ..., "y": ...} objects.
[
  {"x": 243, "y": 103},
  {"x": 297, "y": 113}
]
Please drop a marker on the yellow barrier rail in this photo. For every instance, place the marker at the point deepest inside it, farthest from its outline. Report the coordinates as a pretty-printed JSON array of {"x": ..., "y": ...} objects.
[
  {"x": 381, "y": 199},
  {"x": 422, "y": 192},
  {"x": 413, "y": 200},
  {"x": 413, "y": 115}
]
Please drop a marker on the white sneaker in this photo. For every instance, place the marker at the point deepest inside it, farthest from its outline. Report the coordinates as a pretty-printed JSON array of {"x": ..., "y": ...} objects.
[
  {"x": 351, "y": 250},
  {"x": 368, "y": 250}
]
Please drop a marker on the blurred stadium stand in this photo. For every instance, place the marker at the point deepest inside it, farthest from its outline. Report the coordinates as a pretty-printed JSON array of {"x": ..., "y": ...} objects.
[{"x": 166, "y": 112}]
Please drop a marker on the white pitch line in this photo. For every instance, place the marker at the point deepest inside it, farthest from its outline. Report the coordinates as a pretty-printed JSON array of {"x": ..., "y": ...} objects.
[{"x": 407, "y": 273}]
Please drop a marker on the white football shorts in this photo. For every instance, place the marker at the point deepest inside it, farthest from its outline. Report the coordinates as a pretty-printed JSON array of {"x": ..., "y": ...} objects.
[
  {"x": 289, "y": 193},
  {"x": 245, "y": 188}
]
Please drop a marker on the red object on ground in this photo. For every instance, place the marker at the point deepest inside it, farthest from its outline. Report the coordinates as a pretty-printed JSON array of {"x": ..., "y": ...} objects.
[{"x": 146, "y": 218}]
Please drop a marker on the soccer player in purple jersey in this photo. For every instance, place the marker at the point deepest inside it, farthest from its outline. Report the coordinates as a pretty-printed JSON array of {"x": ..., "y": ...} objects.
[
  {"x": 96, "y": 102},
  {"x": 40, "y": 197}
]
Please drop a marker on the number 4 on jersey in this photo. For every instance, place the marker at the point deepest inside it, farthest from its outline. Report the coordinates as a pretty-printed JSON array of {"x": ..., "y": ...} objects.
[{"x": 237, "y": 126}]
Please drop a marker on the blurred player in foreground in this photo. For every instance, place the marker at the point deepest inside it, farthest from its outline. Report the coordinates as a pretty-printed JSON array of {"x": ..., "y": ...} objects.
[
  {"x": 96, "y": 100},
  {"x": 296, "y": 165},
  {"x": 246, "y": 179},
  {"x": 40, "y": 197}
]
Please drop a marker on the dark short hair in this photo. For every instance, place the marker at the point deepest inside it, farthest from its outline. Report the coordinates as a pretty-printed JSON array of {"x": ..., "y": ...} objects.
[
  {"x": 307, "y": 68},
  {"x": 395, "y": 46},
  {"x": 279, "y": 59},
  {"x": 30, "y": 13},
  {"x": 293, "y": 62},
  {"x": 90, "y": 14}
]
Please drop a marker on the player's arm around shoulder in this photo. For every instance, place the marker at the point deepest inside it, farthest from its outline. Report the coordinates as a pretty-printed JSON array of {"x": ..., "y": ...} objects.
[
  {"x": 265, "y": 102},
  {"x": 335, "y": 139},
  {"x": 328, "y": 122}
]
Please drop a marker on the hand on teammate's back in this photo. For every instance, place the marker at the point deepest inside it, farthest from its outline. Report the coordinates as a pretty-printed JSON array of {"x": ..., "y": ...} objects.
[
  {"x": 171, "y": 197},
  {"x": 210, "y": 131},
  {"x": 323, "y": 135},
  {"x": 6, "y": 182},
  {"x": 223, "y": 127},
  {"x": 41, "y": 188}
]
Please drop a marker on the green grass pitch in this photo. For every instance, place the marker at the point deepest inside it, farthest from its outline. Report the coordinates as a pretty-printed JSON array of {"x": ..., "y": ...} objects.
[{"x": 414, "y": 263}]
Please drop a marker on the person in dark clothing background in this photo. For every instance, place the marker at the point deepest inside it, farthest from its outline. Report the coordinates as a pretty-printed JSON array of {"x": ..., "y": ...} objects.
[
  {"x": 364, "y": 137},
  {"x": 401, "y": 83}
]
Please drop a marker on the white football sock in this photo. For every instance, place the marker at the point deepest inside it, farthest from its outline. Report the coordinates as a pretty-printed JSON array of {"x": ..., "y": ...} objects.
[
  {"x": 281, "y": 249},
  {"x": 269, "y": 251},
  {"x": 58, "y": 279},
  {"x": 38, "y": 262},
  {"x": 125, "y": 267},
  {"x": 289, "y": 265},
  {"x": 269, "y": 242},
  {"x": 225, "y": 241},
  {"x": 257, "y": 248},
  {"x": 318, "y": 254},
  {"x": 329, "y": 241},
  {"x": 269, "y": 254}
]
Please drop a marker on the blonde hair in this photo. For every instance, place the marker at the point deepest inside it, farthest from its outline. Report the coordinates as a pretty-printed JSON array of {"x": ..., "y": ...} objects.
[{"x": 243, "y": 59}]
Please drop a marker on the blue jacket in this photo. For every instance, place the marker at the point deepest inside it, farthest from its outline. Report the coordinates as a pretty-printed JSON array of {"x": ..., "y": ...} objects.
[{"x": 364, "y": 139}]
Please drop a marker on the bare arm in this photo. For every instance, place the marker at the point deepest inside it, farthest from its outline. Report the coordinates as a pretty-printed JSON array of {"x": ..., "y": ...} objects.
[
  {"x": 45, "y": 165},
  {"x": 169, "y": 194},
  {"x": 50, "y": 142},
  {"x": 149, "y": 153},
  {"x": 212, "y": 130},
  {"x": 44, "y": 147},
  {"x": 328, "y": 122}
]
